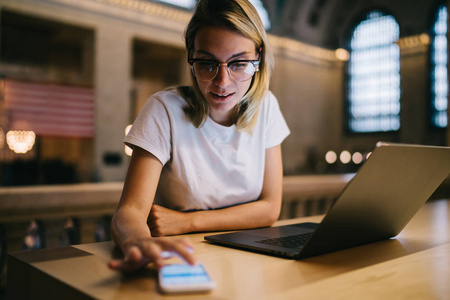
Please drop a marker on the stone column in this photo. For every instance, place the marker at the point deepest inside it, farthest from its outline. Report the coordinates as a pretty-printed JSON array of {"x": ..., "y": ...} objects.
[
  {"x": 113, "y": 53},
  {"x": 414, "y": 77}
]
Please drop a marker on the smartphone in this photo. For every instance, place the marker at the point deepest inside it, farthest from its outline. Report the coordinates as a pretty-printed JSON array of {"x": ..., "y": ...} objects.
[{"x": 184, "y": 278}]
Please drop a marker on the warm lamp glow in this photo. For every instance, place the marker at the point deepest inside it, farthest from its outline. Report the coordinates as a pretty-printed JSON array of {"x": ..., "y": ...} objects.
[
  {"x": 345, "y": 157},
  {"x": 342, "y": 54},
  {"x": 331, "y": 157},
  {"x": 20, "y": 141},
  {"x": 357, "y": 158}
]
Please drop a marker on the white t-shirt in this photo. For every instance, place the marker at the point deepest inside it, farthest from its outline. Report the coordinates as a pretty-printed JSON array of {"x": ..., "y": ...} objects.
[{"x": 210, "y": 167}]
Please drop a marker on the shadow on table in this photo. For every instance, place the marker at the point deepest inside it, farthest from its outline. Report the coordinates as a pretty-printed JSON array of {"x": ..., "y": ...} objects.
[{"x": 336, "y": 263}]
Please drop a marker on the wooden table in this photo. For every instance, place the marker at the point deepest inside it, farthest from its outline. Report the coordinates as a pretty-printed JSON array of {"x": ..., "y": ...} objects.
[{"x": 415, "y": 265}]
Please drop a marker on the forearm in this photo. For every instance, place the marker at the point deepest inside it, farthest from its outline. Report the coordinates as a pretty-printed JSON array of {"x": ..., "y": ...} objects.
[
  {"x": 255, "y": 214},
  {"x": 129, "y": 222}
]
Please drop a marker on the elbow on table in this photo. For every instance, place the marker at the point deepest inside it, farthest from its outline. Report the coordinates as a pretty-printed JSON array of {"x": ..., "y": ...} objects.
[{"x": 272, "y": 216}]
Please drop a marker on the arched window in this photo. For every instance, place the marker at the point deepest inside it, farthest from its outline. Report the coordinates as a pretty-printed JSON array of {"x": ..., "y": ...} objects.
[
  {"x": 189, "y": 4},
  {"x": 439, "y": 82},
  {"x": 374, "y": 75},
  {"x": 262, "y": 13}
]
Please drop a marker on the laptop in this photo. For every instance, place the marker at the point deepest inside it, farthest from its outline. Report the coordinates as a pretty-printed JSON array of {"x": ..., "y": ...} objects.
[{"x": 383, "y": 196}]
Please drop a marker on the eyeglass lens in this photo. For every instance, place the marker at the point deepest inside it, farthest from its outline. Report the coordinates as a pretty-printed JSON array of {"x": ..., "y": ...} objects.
[{"x": 238, "y": 70}]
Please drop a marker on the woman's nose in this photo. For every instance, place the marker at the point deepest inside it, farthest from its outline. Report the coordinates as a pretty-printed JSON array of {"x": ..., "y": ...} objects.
[{"x": 223, "y": 77}]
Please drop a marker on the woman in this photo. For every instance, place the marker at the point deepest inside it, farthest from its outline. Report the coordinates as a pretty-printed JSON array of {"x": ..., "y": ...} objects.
[{"x": 205, "y": 158}]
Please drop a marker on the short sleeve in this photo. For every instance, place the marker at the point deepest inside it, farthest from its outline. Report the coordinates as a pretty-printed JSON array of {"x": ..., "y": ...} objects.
[
  {"x": 151, "y": 131},
  {"x": 276, "y": 129}
]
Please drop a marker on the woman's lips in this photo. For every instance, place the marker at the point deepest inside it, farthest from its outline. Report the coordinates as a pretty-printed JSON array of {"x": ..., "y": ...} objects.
[{"x": 222, "y": 96}]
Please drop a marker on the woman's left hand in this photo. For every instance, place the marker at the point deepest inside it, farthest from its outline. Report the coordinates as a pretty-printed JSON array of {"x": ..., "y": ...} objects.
[{"x": 163, "y": 221}]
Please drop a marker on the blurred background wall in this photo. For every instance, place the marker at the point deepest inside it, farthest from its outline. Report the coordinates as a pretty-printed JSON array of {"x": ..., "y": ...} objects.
[{"x": 75, "y": 74}]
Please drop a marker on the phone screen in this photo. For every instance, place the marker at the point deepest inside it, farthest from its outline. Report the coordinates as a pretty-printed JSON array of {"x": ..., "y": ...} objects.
[{"x": 184, "y": 278}]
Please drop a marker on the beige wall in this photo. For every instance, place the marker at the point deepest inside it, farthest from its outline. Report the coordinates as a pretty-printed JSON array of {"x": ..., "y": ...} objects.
[
  {"x": 308, "y": 82},
  {"x": 310, "y": 93}
]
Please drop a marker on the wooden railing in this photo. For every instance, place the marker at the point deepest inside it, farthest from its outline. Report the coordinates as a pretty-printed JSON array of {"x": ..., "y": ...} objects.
[
  {"x": 310, "y": 194},
  {"x": 52, "y": 216}
]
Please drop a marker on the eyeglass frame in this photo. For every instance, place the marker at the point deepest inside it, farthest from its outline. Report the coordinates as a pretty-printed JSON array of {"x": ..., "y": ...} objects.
[{"x": 255, "y": 64}]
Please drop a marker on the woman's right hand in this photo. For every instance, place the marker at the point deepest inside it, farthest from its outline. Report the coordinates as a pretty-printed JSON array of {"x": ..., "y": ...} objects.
[{"x": 138, "y": 253}]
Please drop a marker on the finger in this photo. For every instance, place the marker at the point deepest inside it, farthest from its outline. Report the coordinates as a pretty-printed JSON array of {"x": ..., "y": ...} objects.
[
  {"x": 133, "y": 260},
  {"x": 151, "y": 251},
  {"x": 122, "y": 265},
  {"x": 114, "y": 264},
  {"x": 133, "y": 253},
  {"x": 187, "y": 242},
  {"x": 126, "y": 266},
  {"x": 151, "y": 222},
  {"x": 156, "y": 232},
  {"x": 182, "y": 247},
  {"x": 185, "y": 253},
  {"x": 155, "y": 209}
]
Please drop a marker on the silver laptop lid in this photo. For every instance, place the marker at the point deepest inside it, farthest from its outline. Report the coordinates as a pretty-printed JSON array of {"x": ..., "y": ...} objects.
[{"x": 381, "y": 199}]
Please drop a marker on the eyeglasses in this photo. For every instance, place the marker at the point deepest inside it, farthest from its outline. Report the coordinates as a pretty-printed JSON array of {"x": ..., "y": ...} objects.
[{"x": 239, "y": 70}]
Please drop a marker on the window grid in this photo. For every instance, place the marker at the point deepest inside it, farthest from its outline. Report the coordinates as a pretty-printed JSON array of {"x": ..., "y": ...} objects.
[
  {"x": 439, "y": 86},
  {"x": 374, "y": 75}
]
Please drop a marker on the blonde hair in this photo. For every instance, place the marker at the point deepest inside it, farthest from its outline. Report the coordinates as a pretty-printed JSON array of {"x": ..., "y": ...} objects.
[{"x": 241, "y": 17}]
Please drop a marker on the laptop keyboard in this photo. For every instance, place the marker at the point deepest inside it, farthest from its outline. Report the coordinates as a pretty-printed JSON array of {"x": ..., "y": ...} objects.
[{"x": 290, "y": 241}]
